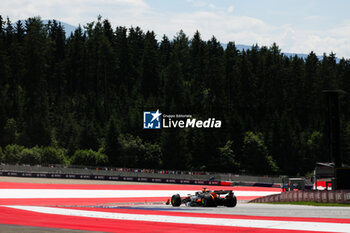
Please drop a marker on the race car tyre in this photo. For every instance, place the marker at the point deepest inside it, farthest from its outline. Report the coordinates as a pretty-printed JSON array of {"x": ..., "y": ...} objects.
[
  {"x": 231, "y": 202},
  {"x": 176, "y": 200},
  {"x": 207, "y": 201}
]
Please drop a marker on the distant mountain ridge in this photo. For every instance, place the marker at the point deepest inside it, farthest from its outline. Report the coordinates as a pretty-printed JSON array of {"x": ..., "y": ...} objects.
[
  {"x": 67, "y": 27},
  {"x": 242, "y": 47}
]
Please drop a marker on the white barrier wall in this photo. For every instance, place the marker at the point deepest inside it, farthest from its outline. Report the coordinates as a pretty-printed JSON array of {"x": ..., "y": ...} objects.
[{"x": 325, "y": 196}]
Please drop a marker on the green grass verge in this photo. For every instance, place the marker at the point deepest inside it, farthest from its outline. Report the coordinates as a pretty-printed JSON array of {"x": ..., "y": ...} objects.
[{"x": 312, "y": 203}]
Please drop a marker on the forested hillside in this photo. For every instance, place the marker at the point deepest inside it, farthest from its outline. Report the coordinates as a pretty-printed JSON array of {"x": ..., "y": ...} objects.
[{"x": 64, "y": 96}]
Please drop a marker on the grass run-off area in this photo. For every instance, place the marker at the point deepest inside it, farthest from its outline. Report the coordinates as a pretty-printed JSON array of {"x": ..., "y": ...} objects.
[{"x": 312, "y": 203}]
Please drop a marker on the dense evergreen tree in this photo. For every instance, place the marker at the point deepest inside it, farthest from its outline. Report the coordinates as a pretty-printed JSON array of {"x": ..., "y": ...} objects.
[
  {"x": 86, "y": 94},
  {"x": 112, "y": 147},
  {"x": 36, "y": 79},
  {"x": 256, "y": 158}
]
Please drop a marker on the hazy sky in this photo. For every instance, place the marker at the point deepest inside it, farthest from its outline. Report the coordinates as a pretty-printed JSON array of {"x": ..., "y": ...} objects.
[{"x": 298, "y": 26}]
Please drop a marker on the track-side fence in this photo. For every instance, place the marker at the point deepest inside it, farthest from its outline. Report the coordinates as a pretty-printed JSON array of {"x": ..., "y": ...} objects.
[{"x": 138, "y": 175}]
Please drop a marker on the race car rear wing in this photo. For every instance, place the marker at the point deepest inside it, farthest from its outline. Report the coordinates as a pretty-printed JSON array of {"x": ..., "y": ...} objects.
[{"x": 219, "y": 192}]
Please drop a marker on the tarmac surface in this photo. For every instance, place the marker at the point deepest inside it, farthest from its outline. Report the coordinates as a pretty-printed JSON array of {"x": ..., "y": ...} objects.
[
  {"x": 242, "y": 208},
  {"x": 261, "y": 209}
]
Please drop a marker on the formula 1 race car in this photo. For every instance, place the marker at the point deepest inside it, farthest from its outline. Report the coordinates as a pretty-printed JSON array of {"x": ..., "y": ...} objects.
[{"x": 206, "y": 198}]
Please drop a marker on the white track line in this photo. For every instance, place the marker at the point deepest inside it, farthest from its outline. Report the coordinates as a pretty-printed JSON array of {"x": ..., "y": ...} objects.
[
  {"x": 78, "y": 193},
  {"x": 267, "y": 224}
]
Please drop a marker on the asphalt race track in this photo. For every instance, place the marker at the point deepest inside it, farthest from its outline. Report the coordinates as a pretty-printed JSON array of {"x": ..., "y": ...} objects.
[{"x": 48, "y": 205}]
